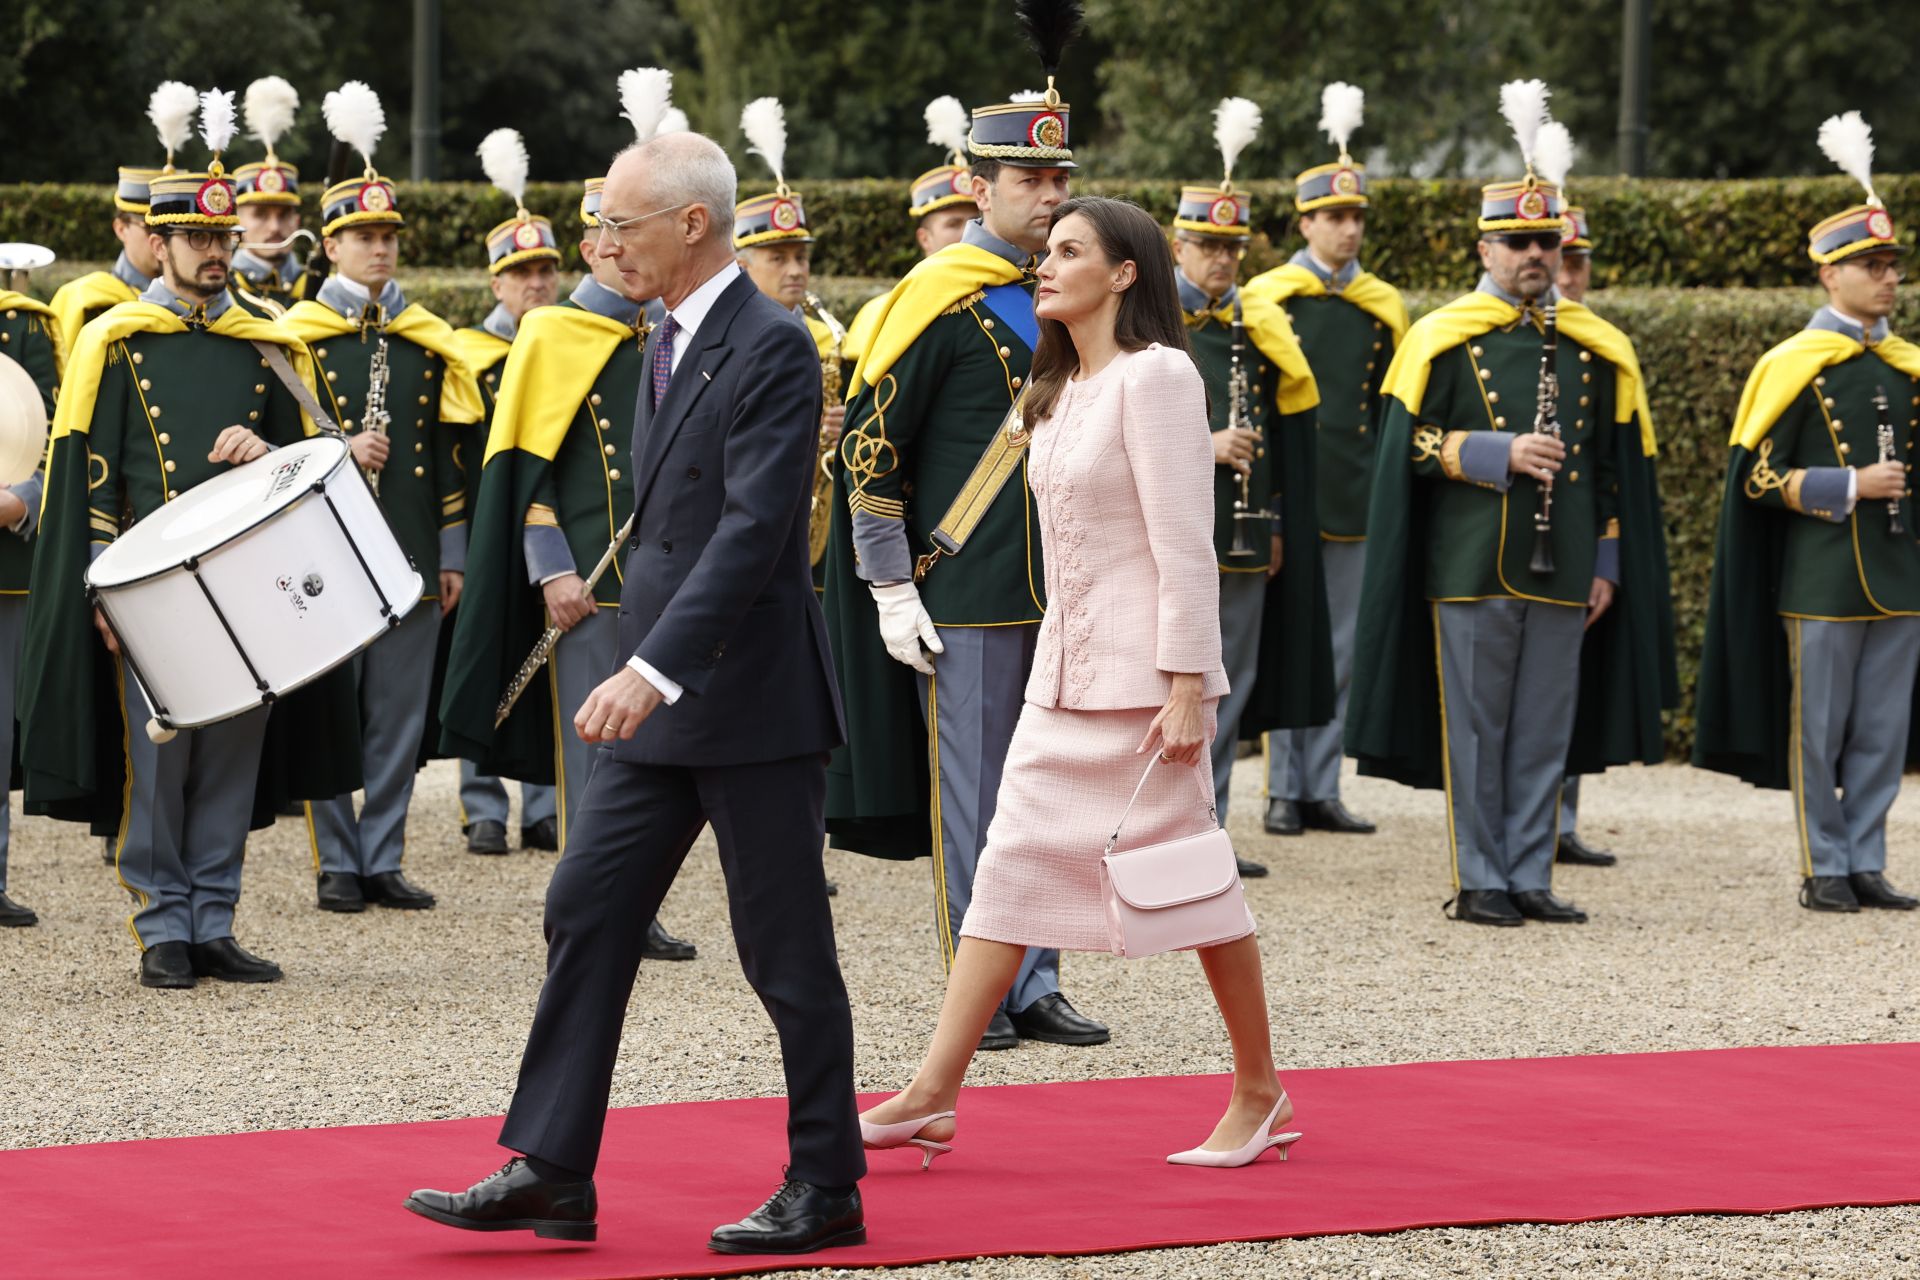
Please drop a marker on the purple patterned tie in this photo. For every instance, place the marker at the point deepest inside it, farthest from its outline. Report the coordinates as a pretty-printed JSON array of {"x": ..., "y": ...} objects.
[{"x": 663, "y": 361}]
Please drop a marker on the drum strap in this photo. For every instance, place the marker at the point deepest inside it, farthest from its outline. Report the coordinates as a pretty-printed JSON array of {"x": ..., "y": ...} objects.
[{"x": 276, "y": 357}]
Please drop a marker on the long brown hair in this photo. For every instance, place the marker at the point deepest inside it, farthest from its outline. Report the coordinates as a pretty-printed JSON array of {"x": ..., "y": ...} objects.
[{"x": 1149, "y": 307}]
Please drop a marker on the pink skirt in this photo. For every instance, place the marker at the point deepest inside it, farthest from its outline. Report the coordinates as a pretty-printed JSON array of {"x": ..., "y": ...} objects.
[{"x": 1067, "y": 780}]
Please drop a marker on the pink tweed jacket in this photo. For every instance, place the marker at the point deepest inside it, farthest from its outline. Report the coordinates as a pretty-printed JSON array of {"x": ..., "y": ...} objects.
[{"x": 1122, "y": 474}]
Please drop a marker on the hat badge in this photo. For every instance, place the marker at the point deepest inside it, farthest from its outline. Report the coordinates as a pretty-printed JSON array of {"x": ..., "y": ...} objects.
[
  {"x": 526, "y": 236},
  {"x": 1531, "y": 205},
  {"x": 270, "y": 180},
  {"x": 962, "y": 183},
  {"x": 1224, "y": 212},
  {"x": 1569, "y": 232},
  {"x": 215, "y": 198},
  {"x": 784, "y": 215},
  {"x": 1879, "y": 225},
  {"x": 1346, "y": 182},
  {"x": 1047, "y": 130},
  {"x": 376, "y": 197}
]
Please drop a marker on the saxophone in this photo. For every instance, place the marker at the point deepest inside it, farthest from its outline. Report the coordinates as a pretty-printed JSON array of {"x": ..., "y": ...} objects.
[
  {"x": 820, "y": 512},
  {"x": 376, "y": 417}
]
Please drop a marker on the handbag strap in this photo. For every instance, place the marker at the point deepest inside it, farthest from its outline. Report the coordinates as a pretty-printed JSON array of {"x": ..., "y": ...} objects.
[{"x": 1206, "y": 753}]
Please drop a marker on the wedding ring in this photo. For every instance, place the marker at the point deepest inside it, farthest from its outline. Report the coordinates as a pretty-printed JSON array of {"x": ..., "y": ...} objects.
[{"x": 1166, "y": 757}]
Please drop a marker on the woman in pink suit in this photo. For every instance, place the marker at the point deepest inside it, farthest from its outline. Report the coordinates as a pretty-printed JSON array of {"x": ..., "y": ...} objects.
[{"x": 1128, "y": 661}]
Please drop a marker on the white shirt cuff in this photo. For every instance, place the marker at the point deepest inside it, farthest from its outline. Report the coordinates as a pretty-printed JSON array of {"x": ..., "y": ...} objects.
[
  {"x": 669, "y": 688},
  {"x": 1853, "y": 490}
]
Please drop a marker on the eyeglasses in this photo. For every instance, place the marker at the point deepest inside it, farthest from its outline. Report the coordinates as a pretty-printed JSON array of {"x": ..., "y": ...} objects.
[
  {"x": 613, "y": 229},
  {"x": 200, "y": 240},
  {"x": 1521, "y": 241},
  {"x": 1879, "y": 267},
  {"x": 1216, "y": 248}
]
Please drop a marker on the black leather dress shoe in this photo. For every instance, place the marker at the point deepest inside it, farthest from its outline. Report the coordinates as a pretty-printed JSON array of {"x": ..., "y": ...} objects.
[
  {"x": 1000, "y": 1033},
  {"x": 1575, "y": 852},
  {"x": 1051, "y": 1020},
  {"x": 515, "y": 1199},
  {"x": 15, "y": 916},
  {"x": 227, "y": 960},
  {"x": 391, "y": 889},
  {"x": 1828, "y": 893},
  {"x": 662, "y": 945},
  {"x": 1540, "y": 904},
  {"x": 1487, "y": 906},
  {"x": 166, "y": 964},
  {"x": 833, "y": 890},
  {"x": 543, "y": 835},
  {"x": 1283, "y": 818},
  {"x": 1870, "y": 888},
  {"x": 486, "y": 836},
  {"x": 1249, "y": 869},
  {"x": 340, "y": 891},
  {"x": 798, "y": 1218},
  {"x": 1331, "y": 815}
]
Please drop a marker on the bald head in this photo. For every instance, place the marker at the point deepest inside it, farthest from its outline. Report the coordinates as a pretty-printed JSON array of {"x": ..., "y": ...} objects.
[{"x": 666, "y": 215}]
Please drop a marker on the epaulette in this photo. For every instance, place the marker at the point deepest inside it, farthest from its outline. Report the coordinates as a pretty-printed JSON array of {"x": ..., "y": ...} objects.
[{"x": 967, "y": 303}]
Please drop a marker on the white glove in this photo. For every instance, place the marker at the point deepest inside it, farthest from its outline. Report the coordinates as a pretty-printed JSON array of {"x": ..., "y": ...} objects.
[{"x": 905, "y": 626}]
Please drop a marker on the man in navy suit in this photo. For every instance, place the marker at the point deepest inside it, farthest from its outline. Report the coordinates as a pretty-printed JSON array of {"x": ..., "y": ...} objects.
[{"x": 724, "y": 712}]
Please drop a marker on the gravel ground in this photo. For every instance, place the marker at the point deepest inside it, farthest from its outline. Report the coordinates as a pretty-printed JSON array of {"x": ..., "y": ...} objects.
[{"x": 1696, "y": 942}]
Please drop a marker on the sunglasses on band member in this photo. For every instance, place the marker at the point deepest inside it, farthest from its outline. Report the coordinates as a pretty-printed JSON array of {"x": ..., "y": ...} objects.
[{"x": 1521, "y": 241}]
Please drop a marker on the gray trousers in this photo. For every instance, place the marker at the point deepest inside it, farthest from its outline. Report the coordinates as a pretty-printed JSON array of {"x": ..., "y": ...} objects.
[
  {"x": 184, "y": 830},
  {"x": 1304, "y": 764},
  {"x": 483, "y": 798},
  {"x": 1509, "y": 676},
  {"x": 971, "y": 705},
  {"x": 583, "y": 659},
  {"x": 395, "y": 677},
  {"x": 1852, "y": 700},
  {"x": 1243, "y": 601},
  {"x": 13, "y": 626},
  {"x": 1569, "y": 804}
]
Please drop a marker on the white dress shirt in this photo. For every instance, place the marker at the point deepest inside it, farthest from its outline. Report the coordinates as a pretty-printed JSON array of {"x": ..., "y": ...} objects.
[{"x": 688, "y": 317}]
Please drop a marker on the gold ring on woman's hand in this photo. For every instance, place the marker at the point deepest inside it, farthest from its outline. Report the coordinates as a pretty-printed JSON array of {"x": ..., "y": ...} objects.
[{"x": 1166, "y": 757}]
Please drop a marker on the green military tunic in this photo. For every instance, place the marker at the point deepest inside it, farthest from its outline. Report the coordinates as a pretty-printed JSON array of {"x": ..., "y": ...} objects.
[
  {"x": 27, "y": 335},
  {"x": 1349, "y": 351}
]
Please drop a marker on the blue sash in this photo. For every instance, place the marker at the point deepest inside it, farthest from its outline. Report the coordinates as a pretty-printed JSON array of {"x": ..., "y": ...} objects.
[{"x": 1012, "y": 305}]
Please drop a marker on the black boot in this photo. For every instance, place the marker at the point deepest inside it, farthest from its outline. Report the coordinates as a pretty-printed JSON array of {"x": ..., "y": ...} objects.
[
  {"x": 1487, "y": 906},
  {"x": 13, "y": 915},
  {"x": 661, "y": 945},
  {"x": 1000, "y": 1033},
  {"x": 1249, "y": 869},
  {"x": 166, "y": 964},
  {"x": 227, "y": 960},
  {"x": 1540, "y": 904},
  {"x": 391, "y": 889},
  {"x": 1575, "y": 852},
  {"x": 1283, "y": 818},
  {"x": 1828, "y": 893},
  {"x": 486, "y": 836},
  {"x": 515, "y": 1199},
  {"x": 1331, "y": 815},
  {"x": 798, "y": 1218},
  {"x": 1051, "y": 1020},
  {"x": 543, "y": 835},
  {"x": 1872, "y": 890},
  {"x": 340, "y": 891}
]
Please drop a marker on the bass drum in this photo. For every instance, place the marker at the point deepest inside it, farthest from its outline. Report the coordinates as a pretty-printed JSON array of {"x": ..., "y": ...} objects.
[
  {"x": 23, "y": 423},
  {"x": 253, "y": 584}
]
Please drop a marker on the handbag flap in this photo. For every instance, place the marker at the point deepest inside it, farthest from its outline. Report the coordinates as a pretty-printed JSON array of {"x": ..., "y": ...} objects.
[{"x": 1179, "y": 871}]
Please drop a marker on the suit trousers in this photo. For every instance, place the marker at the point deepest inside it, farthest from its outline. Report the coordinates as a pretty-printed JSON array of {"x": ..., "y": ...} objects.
[
  {"x": 633, "y": 829},
  {"x": 1304, "y": 764},
  {"x": 1510, "y": 675},
  {"x": 971, "y": 705},
  {"x": 1852, "y": 703}
]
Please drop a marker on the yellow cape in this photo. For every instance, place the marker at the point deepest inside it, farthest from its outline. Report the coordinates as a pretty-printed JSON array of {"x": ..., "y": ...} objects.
[
  {"x": 459, "y": 390},
  {"x": 72, "y": 301},
  {"x": 11, "y": 301},
  {"x": 822, "y": 336},
  {"x": 1785, "y": 371},
  {"x": 480, "y": 350},
  {"x": 934, "y": 284},
  {"x": 1366, "y": 291},
  {"x": 557, "y": 354},
  {"x": 1469, "y": 316},
  {"x": 865, "y": 323},
  {"x": 1267, "y": 324},
  {"x": 88, "y": 362}
]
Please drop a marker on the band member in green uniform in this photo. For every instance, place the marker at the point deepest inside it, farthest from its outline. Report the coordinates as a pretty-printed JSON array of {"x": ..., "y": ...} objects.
[
  {"x": 1503, "y": 641},
  {"x": 268, "y": 193},
  {"x": 160, "y": 394},
  {"x": 940, "y": 202},
  {"x": 1349, "y": 321},
  {"x": 28, "y": 338},
  {"x": 406, "y": 399},
  {"x": 1813, "y": 620},
  {"x": 551, "y": 497},
  {"x": 933, "y": 648},
  {"x": 1262, "y": 399},
  {"x": 523, "y": 270},
  {"x": 79, "y": 300}
]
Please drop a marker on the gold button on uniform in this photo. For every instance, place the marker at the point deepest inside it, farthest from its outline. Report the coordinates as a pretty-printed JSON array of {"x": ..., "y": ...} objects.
[
  {"x": 253, "y": 415},
  {"x": 1827, "y": 401},
  {"x": 1016, "y": 384},
  {"x": 1493, "y": 397},
  {"x": 172, "y": 494},
  {"x": 1572, "y": 476},
  {"x": 1820, "y": 380},
  {"x": 171, "y": 464},
  {"x": 1478, "y": 351},
  {"x": 1586, "y": 377},
  {"x": 146, "y": 384},
  {"x": 594, "y": 398},
  {"x": 987, "y": 323},
  {"x": 1485, "y": 374},
  {"x": 428, "y": 374},
  {"x": 423, "y": 399},
  {"x": 609, "y": 450},
  {"x": 1499, "y": 422},
  {"x": 165, "y": 438},
  {"x": 1837, "y": 424},
  {"x": 333, "y": 375},
  {"x": 419, "y": 446},
  {"x": 259, "y": 388},
  {"x": 1576, "y": 451},
  {"x": 606, "y": 424},
  {"x": 1586, "y": 356},
  {"x": 346, "y": 424},
  {"x": 153, "y": 411},
  {"x": 1845, "y": 448},
  {"x": 1005, "y": 352},
  {"x": 140, "y": 358},
  {"x": 1583, "y": 401},
  {"x": 613, "y": 474},
  {"x": 419, "y": 471}
]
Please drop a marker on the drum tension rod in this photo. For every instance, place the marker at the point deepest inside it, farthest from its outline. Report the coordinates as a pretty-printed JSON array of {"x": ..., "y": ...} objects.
[
  {"x": 192, "y": 566},
  {"x": 386, "y": 609},
  {"x": 160, "y": 713}
]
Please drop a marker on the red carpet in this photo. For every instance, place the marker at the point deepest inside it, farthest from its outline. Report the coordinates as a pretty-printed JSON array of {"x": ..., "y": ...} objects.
[{"x": 1040, "y": 1169}]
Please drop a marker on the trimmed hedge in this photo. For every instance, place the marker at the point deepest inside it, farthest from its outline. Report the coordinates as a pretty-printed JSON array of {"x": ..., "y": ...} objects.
[{"x": 1746, "y": 234}]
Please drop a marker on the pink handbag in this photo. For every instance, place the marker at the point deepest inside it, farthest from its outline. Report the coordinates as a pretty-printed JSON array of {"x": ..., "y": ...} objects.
[{"x": 1174, "y": 896}]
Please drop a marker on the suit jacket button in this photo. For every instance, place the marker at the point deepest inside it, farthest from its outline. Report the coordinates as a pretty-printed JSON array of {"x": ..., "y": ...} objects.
[
  {"x": 693, "y": 473},
  {"x": 666, "y": 544}
]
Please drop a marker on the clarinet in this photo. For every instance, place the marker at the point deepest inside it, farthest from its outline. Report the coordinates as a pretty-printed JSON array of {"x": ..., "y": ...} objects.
[
  {"x": 1884, "y": 430},
  {"x": 1239, "y": 418},
  {"x": 376, "y": 417},
  {"x": 1546, "y": 422}
]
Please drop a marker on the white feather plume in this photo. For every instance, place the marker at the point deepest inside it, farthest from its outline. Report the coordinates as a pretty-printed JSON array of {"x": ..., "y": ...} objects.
[
  {"x": 947, "y": 124},
  {"x": 217, "y": 120},
  {"x": 503, "y": 157},
  {"x": 1342, "y": 106},
  {"x": 764, "y": 121},
  {"x": 675, "y": 121},
  {"x": 1524, "y": 104},
  {"x": 270, "y": 105},
  {"x": 1027, "y": 95},
  {"x": 1553, "y": 153},
  {"x": 645, "y": 95},
  {"x": 171, "y": 109},
  {"x": 1848, "y": 142},
  {"x": 354, "y": 116},
  {"x": 1236, "y": 122}
]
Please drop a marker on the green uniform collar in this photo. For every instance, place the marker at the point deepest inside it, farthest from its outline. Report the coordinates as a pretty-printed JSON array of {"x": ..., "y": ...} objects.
[
  {"x": 353, "y": 300},
  {"x": 977, "y": 235},
  {"x": 1335, "y": 281},
  {"x": 1832, "y": 321},
  {"x": 258, "y": 271}
]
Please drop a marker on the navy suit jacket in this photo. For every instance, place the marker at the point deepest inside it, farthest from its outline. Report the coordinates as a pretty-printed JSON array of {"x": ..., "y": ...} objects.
[{"x": 717, "y": 592}]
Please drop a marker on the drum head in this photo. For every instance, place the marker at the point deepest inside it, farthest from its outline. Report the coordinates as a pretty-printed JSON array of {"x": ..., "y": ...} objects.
[
  {"x": 19, "y": 256},
  {"x": 218, "y": 511},
  {"x": 23, "y": 422}
]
